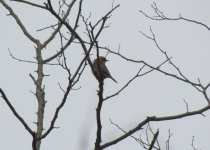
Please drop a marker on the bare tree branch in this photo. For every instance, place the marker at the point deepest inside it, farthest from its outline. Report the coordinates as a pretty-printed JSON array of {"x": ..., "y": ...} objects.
[
  {"x": 193, "y": 145},
  {"x": 98, "y": 116},
  {"x": 12, "y": 13},
  {"x": 59, "y": 25},
  {"x": 15, "y": 112},
  {"x": 154, "y": 140},
  {"x": 137, "y": 75},
  {"x": 63, "y": 101},
  {"x": 52, "y": 125},
  {"x": 161, "y": 17},
  {"x": 186, "y": 104},
  {"x": 50, "y": 8},
  {"x": 154, "y": 118},
  {"x": 168, "y": 140},
  {"x": 29, "y": 3},
  {"x": 143, "y": 144}
]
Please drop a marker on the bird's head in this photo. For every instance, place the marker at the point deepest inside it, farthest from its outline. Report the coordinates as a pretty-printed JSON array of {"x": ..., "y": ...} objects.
[{"x": 102, "y": 59}]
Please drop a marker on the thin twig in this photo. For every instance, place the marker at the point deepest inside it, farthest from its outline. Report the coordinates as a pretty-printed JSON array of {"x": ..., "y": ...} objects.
[
  {"x": 168, "y": 140},
  {"x": 161, "y": 17}
]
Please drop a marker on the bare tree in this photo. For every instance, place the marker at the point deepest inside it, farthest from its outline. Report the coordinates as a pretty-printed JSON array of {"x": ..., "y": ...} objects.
[{"x": 68, "y": 35}]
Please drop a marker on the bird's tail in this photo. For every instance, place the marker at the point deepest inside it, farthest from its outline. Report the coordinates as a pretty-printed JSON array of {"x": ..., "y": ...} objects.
[{"x": 113, "y": 79}]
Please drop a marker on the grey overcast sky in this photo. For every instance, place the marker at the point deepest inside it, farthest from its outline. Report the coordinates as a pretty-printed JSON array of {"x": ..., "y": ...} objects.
[{"x": 153, "y": 94}]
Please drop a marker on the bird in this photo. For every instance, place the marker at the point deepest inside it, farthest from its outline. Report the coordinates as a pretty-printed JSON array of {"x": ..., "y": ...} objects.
[{"x": 100, "y": 69}]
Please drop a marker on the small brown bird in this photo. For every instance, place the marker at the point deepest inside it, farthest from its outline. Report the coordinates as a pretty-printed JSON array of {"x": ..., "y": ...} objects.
[{"x": 100, "y": 69}]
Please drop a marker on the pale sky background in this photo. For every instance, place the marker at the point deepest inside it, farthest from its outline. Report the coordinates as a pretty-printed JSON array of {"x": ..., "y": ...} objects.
[{"x": 153, "y": 94}]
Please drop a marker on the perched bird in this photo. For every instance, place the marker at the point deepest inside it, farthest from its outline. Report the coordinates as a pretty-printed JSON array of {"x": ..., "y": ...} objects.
[{"x": 100, "y": 70}]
